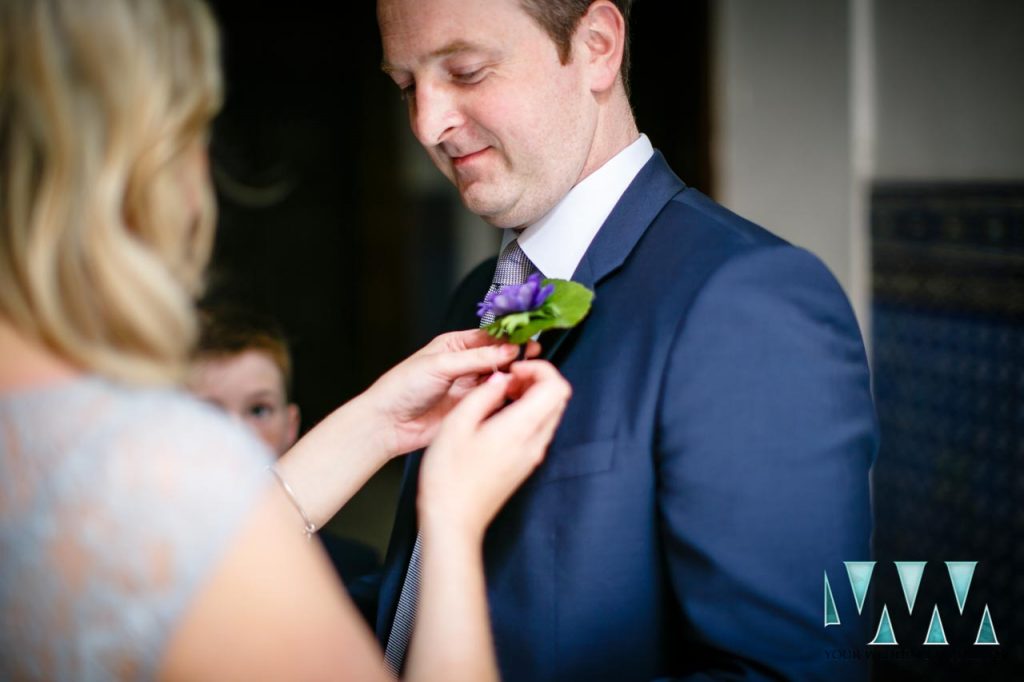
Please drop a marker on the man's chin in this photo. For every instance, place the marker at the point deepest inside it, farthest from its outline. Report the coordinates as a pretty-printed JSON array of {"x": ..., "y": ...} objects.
[
  {"x": 503, "y": 220},
  {"x": 496, "y": 212}
]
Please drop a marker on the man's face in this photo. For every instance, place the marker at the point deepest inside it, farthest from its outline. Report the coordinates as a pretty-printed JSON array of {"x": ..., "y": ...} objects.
[
  {"x": 249, "y": 387},
  {"x": 491, "y": 102}
]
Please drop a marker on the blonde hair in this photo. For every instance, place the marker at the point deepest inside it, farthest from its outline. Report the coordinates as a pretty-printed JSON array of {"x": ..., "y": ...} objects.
[{"x": 104, "y": 108}]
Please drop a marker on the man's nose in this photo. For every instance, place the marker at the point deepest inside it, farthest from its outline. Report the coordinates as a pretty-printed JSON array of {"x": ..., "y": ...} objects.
[{"x": 434, "y": 114}]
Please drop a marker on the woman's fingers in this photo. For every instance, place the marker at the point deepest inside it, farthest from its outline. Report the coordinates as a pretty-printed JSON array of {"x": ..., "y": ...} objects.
[
  {"x": 540, "y": 380},
  {"x": 484, "y": 360},
  {"x": 532, "y": 349},
  {"x": 541, "y": 396},
  {"x": 530, "y": 433},
  {"x": 479, "y": 403},
  {"x": 486, "y": 447},
  {"x": 539, "y": 392},
  {"x": 461, "y": 358},
  {"x": 475, "y": 338},
  {"x": 458, "y": 341},
  {"x": 526, "y": 426}
]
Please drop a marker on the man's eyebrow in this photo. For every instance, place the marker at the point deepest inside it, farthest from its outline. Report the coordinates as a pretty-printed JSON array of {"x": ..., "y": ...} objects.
[{"x": 454, "y": 47}]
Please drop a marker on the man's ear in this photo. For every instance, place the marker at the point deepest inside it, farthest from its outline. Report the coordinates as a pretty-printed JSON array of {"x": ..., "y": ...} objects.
[{"x": 602, "y": 36}]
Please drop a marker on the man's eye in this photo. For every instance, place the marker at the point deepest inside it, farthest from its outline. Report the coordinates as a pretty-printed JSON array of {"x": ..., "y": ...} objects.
[
  {"x": 470, "y": 76},
  {"x": 408, "y": 92}
]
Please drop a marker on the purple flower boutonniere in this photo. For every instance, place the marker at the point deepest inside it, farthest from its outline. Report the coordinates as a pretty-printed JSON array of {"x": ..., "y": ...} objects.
[{"x": 522, "y": 310}]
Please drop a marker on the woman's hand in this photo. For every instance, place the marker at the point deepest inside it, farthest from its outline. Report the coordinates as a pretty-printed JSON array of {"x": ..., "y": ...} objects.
[
  {"x": 412, "y": 398},
  {"x": 484, "y": 451},
  {"x": 399, "y": 413}
]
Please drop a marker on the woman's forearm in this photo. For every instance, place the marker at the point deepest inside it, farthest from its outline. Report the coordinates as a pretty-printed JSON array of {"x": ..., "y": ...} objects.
[
  {"x": 329, "y": 464},
  {"x": 452, "y": 638}
]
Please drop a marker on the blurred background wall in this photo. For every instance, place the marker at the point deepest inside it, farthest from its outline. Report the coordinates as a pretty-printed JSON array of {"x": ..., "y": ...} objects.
[{"x": 887, "y": 136}]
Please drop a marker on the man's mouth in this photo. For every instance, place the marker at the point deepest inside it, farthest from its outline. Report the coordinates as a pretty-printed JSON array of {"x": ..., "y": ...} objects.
[{"x": 460, "y": 161}]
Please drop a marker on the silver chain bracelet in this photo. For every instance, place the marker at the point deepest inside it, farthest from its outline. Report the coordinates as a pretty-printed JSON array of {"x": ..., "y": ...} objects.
[{"x": 309, "y": 526}]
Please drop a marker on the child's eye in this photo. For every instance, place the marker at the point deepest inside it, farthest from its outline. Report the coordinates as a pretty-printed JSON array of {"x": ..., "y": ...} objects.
[{"x": 261, "y": 410}]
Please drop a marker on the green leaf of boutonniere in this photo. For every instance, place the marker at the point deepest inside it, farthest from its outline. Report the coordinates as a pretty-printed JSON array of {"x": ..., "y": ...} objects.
[{"x": 523, "y": 310}]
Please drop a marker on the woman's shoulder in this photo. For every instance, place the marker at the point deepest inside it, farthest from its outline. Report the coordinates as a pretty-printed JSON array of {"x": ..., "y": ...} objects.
[
  {"x": 94, "y": 429},
  {"x": 145, "y": 488},
  {"x": 92, "y": 411},
  {"x": 174, "y": 423}
]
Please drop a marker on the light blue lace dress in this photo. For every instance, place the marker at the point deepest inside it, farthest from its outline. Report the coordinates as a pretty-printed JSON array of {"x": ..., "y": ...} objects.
[{"x": 115, "y": 504}]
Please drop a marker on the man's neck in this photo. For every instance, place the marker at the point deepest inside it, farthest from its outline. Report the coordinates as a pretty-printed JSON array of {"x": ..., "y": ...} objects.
[
  {"x": 616, "y": 130},
  {"x": 557, "y": 241}
]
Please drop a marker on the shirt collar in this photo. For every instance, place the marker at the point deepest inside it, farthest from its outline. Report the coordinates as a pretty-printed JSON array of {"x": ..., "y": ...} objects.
[{"x": 556, "y": 243}]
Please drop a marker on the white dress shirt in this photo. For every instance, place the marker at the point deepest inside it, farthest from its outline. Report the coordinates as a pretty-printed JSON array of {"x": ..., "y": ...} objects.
[{"x": 555, "y": 244}]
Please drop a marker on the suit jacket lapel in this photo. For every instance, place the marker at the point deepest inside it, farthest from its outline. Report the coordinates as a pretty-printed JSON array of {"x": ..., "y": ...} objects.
[
  {"x": 645, "y": 197},
  {"x": 641, "y": 203}
]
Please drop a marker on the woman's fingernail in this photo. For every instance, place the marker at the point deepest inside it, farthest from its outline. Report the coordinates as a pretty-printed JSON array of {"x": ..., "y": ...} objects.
[{"x": 497, "y": 377}]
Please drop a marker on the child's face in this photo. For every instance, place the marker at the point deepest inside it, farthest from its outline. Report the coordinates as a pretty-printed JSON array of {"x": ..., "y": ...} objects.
[{"x": 249, "y": 386}]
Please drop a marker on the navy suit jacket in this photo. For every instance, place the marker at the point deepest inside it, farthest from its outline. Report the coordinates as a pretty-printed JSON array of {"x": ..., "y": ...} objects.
[{"x": 711, "y": 466}]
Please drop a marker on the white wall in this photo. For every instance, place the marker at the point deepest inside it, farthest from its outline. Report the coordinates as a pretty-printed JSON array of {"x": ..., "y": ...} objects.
[
  {"x": 815, "y": 99},
  {"x": 950, "y": 89},
  {"x": 781, "y": 120}
]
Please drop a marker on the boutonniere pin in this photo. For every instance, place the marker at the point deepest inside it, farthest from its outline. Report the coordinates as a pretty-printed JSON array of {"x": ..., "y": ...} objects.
[{"x": 522, "y": 310}]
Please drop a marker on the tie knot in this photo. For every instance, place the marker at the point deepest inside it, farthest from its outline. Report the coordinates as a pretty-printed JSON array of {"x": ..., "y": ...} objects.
[
  {"x": 513, "y": 265},
  {"x": 513, "y": 268}
]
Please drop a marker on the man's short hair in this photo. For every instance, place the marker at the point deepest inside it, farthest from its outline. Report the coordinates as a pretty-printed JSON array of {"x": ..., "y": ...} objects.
[
  {"x": 559, "y": 18},
  {"x": 227, "y": 331}
]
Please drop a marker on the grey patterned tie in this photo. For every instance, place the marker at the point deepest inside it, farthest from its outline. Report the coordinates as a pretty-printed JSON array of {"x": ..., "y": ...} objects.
[{"x": 513, "y": 268}]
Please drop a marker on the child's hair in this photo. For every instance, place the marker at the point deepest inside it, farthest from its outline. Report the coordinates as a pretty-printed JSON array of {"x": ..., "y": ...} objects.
[{"x": 227, "y": 331}]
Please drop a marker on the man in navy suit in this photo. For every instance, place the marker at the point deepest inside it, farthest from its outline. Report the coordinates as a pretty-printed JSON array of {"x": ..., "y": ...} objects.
[{"x": 713, "y": 462}]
